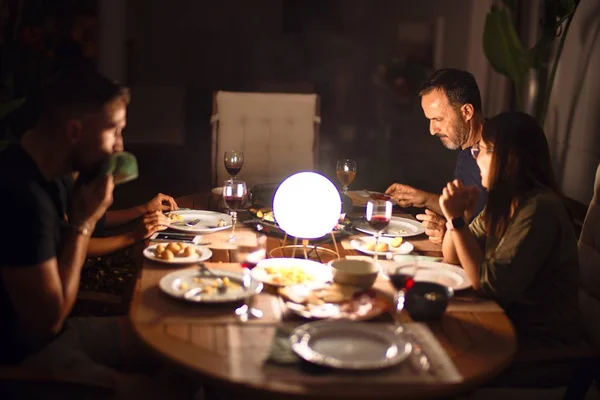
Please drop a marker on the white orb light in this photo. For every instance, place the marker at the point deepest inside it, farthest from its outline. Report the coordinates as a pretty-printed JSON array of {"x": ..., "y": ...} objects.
[{"x": 307, "y": 205}]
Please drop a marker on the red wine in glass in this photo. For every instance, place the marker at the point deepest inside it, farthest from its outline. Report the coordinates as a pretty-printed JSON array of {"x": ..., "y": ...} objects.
[
  {"x": 233, "y": 171},
  {"x": 379, "y": 222},
  {"x": 402, "y": 281},
  {"x": 233, "y": 202}
]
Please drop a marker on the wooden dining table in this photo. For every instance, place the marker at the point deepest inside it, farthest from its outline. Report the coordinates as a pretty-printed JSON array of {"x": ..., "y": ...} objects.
[{"x": 210, "y": 342}]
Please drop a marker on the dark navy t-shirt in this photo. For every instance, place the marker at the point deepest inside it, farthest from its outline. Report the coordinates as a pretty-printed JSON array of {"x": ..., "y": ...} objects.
[
  {"x": 33, "y": 210},
  {"x": 468, "y": 172}
]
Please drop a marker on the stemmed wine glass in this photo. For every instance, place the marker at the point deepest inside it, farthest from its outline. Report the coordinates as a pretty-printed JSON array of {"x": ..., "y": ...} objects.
[
  {"x": 248, "y": 254},
  {"x": 234, "y": 161},
  {"x": 379, "y": 214},
  {"x": 402, "y": 277},
  {"x": 346, "y": 172},
  {"x": 234, "y": 193}
]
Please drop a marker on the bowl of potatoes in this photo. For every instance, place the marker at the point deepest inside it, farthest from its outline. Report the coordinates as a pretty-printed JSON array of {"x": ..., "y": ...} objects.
[
  {"x": 177, "y": 253},
  {"x": 385, "y": 245}
]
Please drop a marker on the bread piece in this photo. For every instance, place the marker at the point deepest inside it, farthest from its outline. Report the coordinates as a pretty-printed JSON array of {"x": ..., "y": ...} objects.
[
  {"x": 397, "y": 242},
  {"x": 382, "y": 247}
]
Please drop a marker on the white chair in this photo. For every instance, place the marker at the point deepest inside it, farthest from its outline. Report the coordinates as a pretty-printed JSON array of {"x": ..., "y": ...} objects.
[{"x": 278, "y": 133}]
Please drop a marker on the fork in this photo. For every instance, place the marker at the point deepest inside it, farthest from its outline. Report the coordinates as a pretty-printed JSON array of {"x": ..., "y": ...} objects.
[
  {"x": 421, "y": 361},
  {"x": 192, "y": 222},
  {"x": 206, "y": 271}
]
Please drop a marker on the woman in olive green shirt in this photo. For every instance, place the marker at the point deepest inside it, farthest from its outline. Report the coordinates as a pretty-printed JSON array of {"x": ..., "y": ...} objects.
[{"x": 521, "y": 250}]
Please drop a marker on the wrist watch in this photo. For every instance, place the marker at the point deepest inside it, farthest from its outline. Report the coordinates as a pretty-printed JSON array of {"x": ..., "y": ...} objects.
[{"x": 455, "y": 223}]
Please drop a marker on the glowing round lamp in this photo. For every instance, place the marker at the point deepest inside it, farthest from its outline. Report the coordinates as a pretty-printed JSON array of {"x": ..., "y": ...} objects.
[{"x": 307, "y": 205}]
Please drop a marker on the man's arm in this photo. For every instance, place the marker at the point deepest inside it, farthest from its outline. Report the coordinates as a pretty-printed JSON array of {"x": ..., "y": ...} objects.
[
  {"x": 44, "y": 294},
  {"x": 151, "y": 223},
  {"x": 408, "y": 196},
  {"x": 160, "y": 202},
  {"x": 121, "y": 217}
]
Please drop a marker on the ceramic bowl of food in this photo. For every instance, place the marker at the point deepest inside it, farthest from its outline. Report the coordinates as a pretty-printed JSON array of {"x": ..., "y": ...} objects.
[
  {"x": 426, "y": 301},
  {"x": 355, "y": 272}
]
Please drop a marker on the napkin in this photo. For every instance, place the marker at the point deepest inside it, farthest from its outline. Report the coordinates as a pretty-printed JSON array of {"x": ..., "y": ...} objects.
[{"x": 123, "y": 166}]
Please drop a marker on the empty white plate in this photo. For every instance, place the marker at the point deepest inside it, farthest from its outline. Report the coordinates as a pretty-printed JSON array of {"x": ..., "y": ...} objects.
[
  {"x": 349, "y": 345},
  {"x": 437, "y": 272}
]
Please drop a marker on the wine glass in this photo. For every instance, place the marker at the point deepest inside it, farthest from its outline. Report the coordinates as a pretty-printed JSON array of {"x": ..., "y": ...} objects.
[
  {"x": 234, "y": 193},
  {"x": 249, "y": 252},
  {"x": 379, "y": 214},
  {"x": 402, "y": 277},
  {"x": 234, "y": 161},
  {"x": 346, "y": 172}
]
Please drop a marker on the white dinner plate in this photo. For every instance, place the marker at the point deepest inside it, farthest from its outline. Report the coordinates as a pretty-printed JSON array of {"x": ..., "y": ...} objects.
[
  {"x": 268, "y": 270},
  {"x": 349, "y": 345},
  {"x": 202, "y": 254},
  {"x": 209, "y": 221},
  {"x": 361, "y": 244},
  {"x": 398, "y": 226},
  {"x": 177, "y": 283},
  {"x": 437, "y": 272}
]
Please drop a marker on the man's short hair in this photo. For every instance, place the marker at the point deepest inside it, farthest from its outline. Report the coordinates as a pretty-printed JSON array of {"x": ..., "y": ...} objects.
[
  {"x": 460, "y": 87},
  {"x": 75, "y": 91}
]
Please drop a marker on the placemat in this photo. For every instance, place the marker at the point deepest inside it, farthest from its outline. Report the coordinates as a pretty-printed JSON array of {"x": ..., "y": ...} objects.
[{"x": 283, "y": 364}]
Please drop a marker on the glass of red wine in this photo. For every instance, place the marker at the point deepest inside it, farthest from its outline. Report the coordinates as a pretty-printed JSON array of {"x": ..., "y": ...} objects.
[
  {"x": 402, "y": 277},
  {"x": 379, "y": 214},
  {"x": 234, "y": 193},
  {"x": 234, "y": 161},
  {"x": 249, "y": 251}
]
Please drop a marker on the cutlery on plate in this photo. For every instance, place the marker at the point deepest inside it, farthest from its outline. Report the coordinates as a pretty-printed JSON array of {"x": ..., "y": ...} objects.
[{"x": 204, "y": 270}]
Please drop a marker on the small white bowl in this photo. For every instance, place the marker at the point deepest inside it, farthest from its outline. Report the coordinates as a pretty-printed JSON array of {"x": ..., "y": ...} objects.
[{"x": 355, "y": 272}]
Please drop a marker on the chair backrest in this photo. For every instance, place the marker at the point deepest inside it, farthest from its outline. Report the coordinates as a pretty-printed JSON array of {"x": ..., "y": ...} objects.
[
  {"x": 278, "y": 133},
  {"x": 589, "y": 261}
]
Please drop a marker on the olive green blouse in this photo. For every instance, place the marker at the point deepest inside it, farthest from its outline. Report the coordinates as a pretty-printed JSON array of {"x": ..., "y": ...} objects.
[{"x": 532, "y": 270}]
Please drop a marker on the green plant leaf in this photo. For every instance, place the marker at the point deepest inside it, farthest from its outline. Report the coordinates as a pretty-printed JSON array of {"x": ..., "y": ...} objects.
[
  {"x": 9, "y": 106},
  {"x": 503, "y": 48}
]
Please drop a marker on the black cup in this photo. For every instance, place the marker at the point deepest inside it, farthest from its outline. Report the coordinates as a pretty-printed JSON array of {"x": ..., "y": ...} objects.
[{"x": 427, "y": 301}]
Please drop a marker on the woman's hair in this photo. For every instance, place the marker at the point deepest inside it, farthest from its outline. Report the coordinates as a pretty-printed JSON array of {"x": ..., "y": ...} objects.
[{"x": 520, "y": 162}]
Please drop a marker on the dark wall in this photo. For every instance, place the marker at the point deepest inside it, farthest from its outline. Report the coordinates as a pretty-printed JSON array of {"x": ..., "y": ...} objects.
[{"x": 334, "y": 48}]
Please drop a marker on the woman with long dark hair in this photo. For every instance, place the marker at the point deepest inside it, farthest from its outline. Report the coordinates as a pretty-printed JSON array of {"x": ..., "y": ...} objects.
[{"x": 521, "y": 250}]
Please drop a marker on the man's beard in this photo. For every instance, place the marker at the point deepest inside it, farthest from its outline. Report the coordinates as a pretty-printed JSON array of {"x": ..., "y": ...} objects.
[{"x": 462, "y": 133}]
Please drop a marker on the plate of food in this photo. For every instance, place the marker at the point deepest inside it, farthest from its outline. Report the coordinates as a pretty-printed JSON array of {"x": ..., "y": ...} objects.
[
  {"x": 386, "y": 245},
  {"x": 291, "y": 271},
  {"x": 199, "y": 221},
  {"x": 262, "y": 219},
  {"x": 193, "y": 286},
  {"x": 333, "y": 301},
  {"x": 398, "y": 227},
  {"x": 177, "y": 253}
]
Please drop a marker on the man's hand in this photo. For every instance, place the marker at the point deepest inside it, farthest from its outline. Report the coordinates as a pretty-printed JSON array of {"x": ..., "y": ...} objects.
[
  {"x": 435, "y": 225},
  {"x": 91, "y": 200},
  {"x": 152, "y": 222},
  {"x": 408, "y": 196},
  {"x": 161, "y": 202}
]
